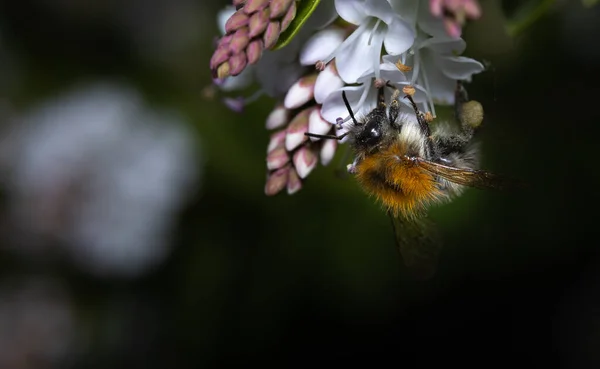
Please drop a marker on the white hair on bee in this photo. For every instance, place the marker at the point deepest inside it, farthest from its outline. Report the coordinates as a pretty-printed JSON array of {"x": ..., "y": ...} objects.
[{"x": 411, "y": 133}]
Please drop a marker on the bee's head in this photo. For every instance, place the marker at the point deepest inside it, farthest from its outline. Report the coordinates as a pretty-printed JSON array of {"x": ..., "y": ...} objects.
[{"x": 370, "y": 133}]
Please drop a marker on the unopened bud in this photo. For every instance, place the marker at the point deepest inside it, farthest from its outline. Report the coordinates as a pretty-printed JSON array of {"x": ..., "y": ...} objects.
[
  {"x": 239, "y": 41},
  {"x": 254, "y": 51},
  {"x": 258, "y": 22},
  {"x": 237, "y": 63},
  {"x": 252, "y": 6},
  {"x": 294, "y": 183},
  {"x": 280, "y": 7},
  {"x": 277, "y": 180},
  {"x": 271, "y": 34},
  {"x": 238, "y": 20},
  {"x": 223, "y": 70},
  {"x": 289, "y": 17}
]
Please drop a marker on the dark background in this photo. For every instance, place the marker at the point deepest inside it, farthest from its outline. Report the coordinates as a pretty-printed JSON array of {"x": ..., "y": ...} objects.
[{"x": 312, "y": 280}]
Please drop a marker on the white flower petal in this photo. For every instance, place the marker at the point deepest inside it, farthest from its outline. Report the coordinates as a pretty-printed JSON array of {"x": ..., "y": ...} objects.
[
  {"x": 379, "y": 9},
  {"x": 441, "y": 88},
  {"x": 327, "y": 82},
  {"x": 407, "y": 9},
  {"x": 353, "y": 59},
  {"x": 445, "y": 46},
  {"x": 399, "y": 37},
  {"x": 352, "y": 11},
  {"x": 320, "y": 45},
  {"x": 459, "y": 67},
  {"x": 333, "y": 107}
]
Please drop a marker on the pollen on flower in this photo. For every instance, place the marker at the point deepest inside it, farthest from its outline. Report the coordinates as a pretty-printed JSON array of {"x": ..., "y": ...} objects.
[
  {"x": 408, "y": 90},
  {"x": 402, "y": 67},
  {"x": 320, "y": 65},
  {"x": 428, "y": 117}
]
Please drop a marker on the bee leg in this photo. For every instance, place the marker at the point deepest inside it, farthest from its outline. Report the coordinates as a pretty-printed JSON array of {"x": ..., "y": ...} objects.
[
  {"x": 470, "y": 115},
  {"x": 468, "y": 112},
  {"x": 425, "y": 130},
  {"x": 381, "y": 96},
  {"x": 394, "y": 110}
]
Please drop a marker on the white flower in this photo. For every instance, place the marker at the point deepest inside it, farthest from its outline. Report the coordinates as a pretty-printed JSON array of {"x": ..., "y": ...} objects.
[
  {"x": 436, "y": 67},
  {"x": 134, "y": 165},
  {"x": 378, "y": 25}
]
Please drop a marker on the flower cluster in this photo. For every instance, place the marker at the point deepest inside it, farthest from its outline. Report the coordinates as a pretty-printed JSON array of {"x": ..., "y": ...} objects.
[{"x": 352, "y": 46}]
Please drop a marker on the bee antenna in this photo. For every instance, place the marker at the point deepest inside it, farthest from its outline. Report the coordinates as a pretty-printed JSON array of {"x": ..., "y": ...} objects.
[
  {"x": 331, "y": 137},
  {"x": 349, "y": 108}
]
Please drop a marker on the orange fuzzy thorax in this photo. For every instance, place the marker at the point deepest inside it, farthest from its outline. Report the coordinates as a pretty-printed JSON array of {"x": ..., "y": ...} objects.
[{"x": 402, "y": 186}]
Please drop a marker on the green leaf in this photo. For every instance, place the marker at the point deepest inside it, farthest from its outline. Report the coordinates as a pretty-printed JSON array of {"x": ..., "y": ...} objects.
[{"x": 303, "y": 11}]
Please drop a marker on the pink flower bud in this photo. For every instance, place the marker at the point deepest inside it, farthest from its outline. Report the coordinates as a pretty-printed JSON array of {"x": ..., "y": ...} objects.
[
  {"x": 277, "y": 140},
  {"x": 239, "y": 41},
  {"x": 305, "y": 161},
  {"x": 255, "y": 5},
  {"x": 328, "y": 148},
  {"x": 301, "y": 92},
  {"x": 296, "y": 129},
  {"x": 277, "y": 158},
  {"x": 278, "y": 117},
  {"x": 277, "y": 180},
  {"x": 271, "y": 34},
  {"x": 258, "y": 22},
  {"x": 238, "y": 20},
  {"x": 219, "y": 57},
  {"x": 280, "y": 7},
  {"x": 294, "y": 183},
  {"x": 317, "y": 125},
  {"x": 254, "y": 51},
  {"x": 237, "y": 63},
  {"x": 289, "y": 17}
]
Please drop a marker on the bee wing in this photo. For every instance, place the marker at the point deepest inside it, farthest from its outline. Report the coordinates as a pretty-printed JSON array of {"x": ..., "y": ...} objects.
[
  {"x": 419, "y": 244},
  {"x": 469, "y": 177}
]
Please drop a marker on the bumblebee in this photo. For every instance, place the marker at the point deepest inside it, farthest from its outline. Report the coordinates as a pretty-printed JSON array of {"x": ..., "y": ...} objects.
[{"x": 409, "y": 165}]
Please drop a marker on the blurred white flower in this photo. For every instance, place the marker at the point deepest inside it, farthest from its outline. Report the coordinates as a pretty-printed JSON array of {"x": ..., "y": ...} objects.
[{"x": 99, "y": 172}]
